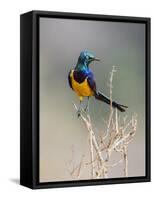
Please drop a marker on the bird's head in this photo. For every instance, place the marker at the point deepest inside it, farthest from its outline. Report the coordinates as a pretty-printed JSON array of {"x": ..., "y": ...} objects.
[{"x": 86, "y": 58}]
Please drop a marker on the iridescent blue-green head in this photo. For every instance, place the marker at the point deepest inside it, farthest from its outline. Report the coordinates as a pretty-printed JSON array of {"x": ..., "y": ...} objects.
[{"x": 85, "y": 59}]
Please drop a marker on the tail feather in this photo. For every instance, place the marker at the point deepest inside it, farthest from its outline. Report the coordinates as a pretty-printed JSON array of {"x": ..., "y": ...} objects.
[{"x": 104, "y": 98}]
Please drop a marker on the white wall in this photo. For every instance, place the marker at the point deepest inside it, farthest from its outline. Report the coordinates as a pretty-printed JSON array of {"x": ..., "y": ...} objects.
[{"x": 9, "y": 98}]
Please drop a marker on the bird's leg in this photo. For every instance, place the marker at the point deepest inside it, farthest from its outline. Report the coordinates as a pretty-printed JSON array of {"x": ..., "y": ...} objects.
[
  {"x": 87, "y": 106},
  {"x": 79, "y": 109}
]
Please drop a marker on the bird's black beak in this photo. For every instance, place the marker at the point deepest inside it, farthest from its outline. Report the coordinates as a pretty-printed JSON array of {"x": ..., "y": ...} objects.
[
  {"x": 94, "y": 59},
  {"x": 97, "y": 59}
]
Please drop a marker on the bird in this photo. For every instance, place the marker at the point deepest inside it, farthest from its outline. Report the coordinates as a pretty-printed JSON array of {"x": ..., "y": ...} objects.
[{"x": 82, "y": 81}]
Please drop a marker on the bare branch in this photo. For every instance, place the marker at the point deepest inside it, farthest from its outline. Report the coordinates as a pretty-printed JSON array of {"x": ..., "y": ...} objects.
[{"x": 119, "y": 132}]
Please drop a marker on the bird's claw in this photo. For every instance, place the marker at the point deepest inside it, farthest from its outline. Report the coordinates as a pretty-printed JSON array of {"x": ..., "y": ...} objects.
[
  {"x": 86, "y": 109},
  {"x": 78, "y": 113}
]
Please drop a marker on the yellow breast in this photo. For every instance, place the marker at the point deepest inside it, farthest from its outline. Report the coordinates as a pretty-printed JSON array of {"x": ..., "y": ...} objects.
[{"x": 82, "y": 89}]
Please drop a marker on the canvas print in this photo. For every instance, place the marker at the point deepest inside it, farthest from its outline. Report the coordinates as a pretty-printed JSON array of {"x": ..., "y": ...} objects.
[{"x": 91, "y": 99}]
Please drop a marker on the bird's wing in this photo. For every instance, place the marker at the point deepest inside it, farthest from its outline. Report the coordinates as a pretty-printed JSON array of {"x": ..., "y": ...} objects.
[
  {"x": 92, "y": 83},
  {"x": 70, "y": 79}
]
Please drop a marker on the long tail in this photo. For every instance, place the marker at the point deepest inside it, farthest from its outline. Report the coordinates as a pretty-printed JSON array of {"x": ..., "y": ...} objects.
[{"x": 104, "y": 98}]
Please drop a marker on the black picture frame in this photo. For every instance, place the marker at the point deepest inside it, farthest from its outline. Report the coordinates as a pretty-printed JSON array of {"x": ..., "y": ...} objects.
[{"x": 29, "y": 99}]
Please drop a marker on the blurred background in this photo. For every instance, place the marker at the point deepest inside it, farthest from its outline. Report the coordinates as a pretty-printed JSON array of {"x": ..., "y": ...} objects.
[{"x": 119, "y": 44}]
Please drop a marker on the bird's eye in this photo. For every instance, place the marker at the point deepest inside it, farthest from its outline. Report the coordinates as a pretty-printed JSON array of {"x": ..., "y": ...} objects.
[{"x": 87, "y": 57}]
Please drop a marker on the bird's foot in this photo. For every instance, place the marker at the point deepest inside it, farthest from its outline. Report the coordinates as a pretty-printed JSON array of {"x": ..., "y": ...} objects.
[
  {"x": 86, "y": 109},
  {"x": 79, "y": 113}
]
